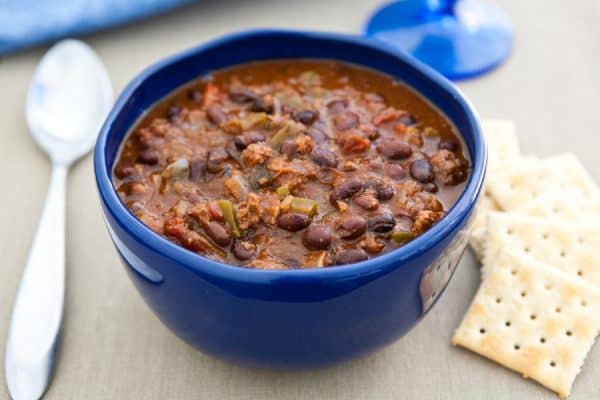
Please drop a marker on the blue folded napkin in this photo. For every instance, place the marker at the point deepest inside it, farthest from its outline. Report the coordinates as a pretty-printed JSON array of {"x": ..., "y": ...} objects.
[{"x": 27, "y": 22}]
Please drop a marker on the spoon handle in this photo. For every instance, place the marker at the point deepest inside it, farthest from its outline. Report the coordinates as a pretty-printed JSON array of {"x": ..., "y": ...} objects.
[{"x": 38, "y": 309}]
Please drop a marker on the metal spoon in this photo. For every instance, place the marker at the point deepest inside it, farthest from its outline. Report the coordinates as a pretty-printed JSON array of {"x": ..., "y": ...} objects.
[{"x": 69, "y": 97}]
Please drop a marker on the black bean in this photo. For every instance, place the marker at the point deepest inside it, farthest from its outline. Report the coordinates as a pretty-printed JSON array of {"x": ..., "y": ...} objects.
[
  {"x": 124, "y": 170},
  {"x": 347, "y": 188},
  {"x": 317, "y": 237},
  {"x": 307, "y": 117},
  {"x": 430, "y": 187},
  {"x": 422, "y": 171},
  {"x": 216, "y": 158},
  {"x": 351, "y": 256},
  {"x": 317, "y": 133},
  {"x": 242, "y": 95},
  {"x": 407, "y": 120},
  {"x": 195, "y": 96},
  {"x": 337, "y": 106},
  {"x": 148, "y": 156},
  {"x": 288, "y": 147},
  {"x": 293, "y": 222},
  {"x": 243, "y": 250},
  {"x": 351, "y": 226},
  {"x": 346, "y": 121},
  {"x": 216, "y": 115},
  {"x": 198, "y": 167},
  {"x": 384, "y": 191},
  {"x": 382, "y": 223},
  {"x": 218, "y": 233},
  {"x": 395, "y": 171},
  {"x": 450, "y": 145},
  {"x": 173, "y": 112},
  {"x": 261, "y": 105},
  {"x": 394, "y": 149},
  {"x": 246, "y": 139},
  {"x": 324, "y": 157}
]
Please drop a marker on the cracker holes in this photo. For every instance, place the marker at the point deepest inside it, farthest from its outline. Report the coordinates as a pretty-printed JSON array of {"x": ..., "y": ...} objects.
[
  {"x": 523, "y": 294},
  {"x": 545, "y": 235},
  {"x": 542, "y": 340},
  {"x": 558, "y": 310},
  {"x": 583, "y": 303},
  {"x": 579, "y": 273},
  {"x": 507, "y": 323},
  {"x": 509, "y": 231},
  {"x": 513, "y": 272},
  {"x": 569, "y": 333},
  {"x": 553, "y": 364},
  {"x": 563, "y": 253},
  {"x": 526, "y": 249},
  {"x": 548, "y": 286},
  {"x": 498, "y": 300},
  {"x": 517, "y": 346},
  {"x": 482, "y": 331},
  {"x": 533, "y": 317}
]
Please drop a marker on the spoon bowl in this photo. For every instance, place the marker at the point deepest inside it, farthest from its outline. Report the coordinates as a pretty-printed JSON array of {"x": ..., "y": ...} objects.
[{"x": 69, "y": 97}]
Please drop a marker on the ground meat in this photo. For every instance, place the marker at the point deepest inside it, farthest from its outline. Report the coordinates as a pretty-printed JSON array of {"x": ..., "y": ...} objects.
[
  {"x": 413, "y": 137},
  {"x": 256, "y": 154},
  {"x": 249, "y": 212},
  {"x": 200, "y": 213},
  {"x": 425, "y": 219},
  {"x": 449, "y": 168},
  {"x": 371, "y": 244},
  {"x": 304, "y": 144},
  {"x": 269, "y": 208},
  {"x": 409, "y": 188}
]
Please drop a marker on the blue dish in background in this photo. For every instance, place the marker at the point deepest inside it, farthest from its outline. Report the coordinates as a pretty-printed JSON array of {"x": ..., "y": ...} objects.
[{"x": 295, "y": 318}]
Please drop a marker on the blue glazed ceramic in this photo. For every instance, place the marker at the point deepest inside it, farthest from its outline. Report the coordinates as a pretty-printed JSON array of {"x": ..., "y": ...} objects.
[{"x": 298, "y": 318}]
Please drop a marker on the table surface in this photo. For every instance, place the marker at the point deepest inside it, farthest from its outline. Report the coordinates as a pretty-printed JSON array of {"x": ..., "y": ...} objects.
[{"x": 113, "y": 347}]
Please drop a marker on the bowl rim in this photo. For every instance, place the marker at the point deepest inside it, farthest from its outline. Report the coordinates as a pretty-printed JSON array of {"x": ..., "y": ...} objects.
[{"x": 382, "y": 263}]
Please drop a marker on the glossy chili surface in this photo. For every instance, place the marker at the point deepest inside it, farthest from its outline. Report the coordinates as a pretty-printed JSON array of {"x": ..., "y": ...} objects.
[{"x": 291, "y": 164}]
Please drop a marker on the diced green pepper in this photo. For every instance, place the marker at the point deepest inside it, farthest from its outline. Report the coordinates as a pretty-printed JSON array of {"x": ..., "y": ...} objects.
[
  {"x": 282, "y": 191},
  {"x": 289, "y": 131},
  {"x": 402, "y": 236},
  {"x": 260, "y": 177},
  {"x": 226, "y": 207},
  {"x": 304, "y": 206},
  {"x": 252, "y": 120}
]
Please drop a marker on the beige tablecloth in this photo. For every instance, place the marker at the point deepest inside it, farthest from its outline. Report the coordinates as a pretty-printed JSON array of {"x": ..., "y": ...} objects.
[{"x": 113, "y": 347}]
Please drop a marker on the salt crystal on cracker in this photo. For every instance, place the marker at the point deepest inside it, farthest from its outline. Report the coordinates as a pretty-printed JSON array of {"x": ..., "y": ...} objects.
[
  {"x": 514, "y": 186},
  {"x": 572, "y": 247},
  {"x": 533, "y": 319}
]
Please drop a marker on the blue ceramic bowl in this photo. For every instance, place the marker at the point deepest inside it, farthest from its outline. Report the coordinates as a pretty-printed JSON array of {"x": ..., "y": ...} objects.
[{"x": 296, "y": 318}]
